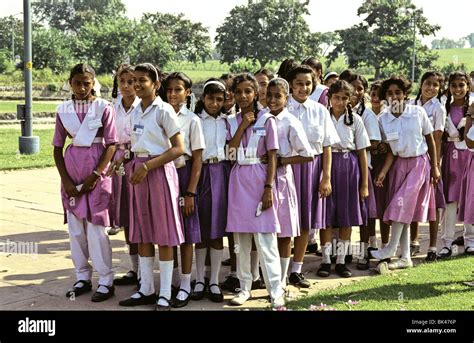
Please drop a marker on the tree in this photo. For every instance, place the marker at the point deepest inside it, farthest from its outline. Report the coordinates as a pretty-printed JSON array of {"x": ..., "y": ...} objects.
[
  {"x": 11, "y": 26},
  {"x": 385, "y": 37},
  {"x": 190, "y": 41},
  {"x": 446, "y": 43},
  {"x": 265, "y": 31},
  {"x": 51, "y": 49},
  {"x": 470, "y": 39}
]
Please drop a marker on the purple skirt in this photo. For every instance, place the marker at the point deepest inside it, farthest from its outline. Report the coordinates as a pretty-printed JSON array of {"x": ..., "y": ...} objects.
[
  {"x": 380, "y": 193},
  {"x": 213, "y": 188},
  {"x": 192, "y": 229},
  {"x": 93, "y": 206},
  {"x": 411, "y": 194},
  {"x": 452, "y": 168},
  {"x": 119, "y": 209},
  {"x": 155, "y": 216},
  {"x": 287, "y": 203},
  {"x": 466, "y": 201},
  {"x": 369, "y": 205},
  {"x": 311, "y": 207},
  {"x": 343, "y": 208}
]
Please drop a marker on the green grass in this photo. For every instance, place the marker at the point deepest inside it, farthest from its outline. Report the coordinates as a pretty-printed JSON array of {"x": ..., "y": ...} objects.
[
  {"x": 9, "y": 106},
  {"x": 436, "y": 286},
  {"x": 10, "y": 157},
  {"x": 459, "y": 56}
]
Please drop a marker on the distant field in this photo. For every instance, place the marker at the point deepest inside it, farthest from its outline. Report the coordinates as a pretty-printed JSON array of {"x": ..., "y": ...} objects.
[
  {"x": 456, "y": 56},
  {"x": 7, "y": 106}
]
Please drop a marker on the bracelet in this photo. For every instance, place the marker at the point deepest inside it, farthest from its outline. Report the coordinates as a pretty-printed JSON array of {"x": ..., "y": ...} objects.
[
  {"x": 96, "y": 172},
  {"x": 190, "y": 194},
  {"x": 145, "y": 167},
  {"x": 267, "y": 185}
]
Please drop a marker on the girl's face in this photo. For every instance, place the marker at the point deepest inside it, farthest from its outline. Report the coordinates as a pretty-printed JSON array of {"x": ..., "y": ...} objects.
[
  {"x": 263, "y": 81},
  {"x": 302, "y": 86},
  {"x": 395, "y": 94},
  {"x": 276, "y": 99},
  {"x": 374, "y": 98},
  {"x": 458, "y": 88},
  {"x": 127, "y": 84},
  {"x": 331, "y": 80},
  {"x": 176, "y": 92},
  {"x": 213, "y": 103},
  {"x": 430, "y": 88},
  {"x": 245, "y": 94},
  {"x": 359, "y": 92},
  {"x": 82, "y": 85},
  {"x": 339, "y": 101},
  {"x": 144, "y": 86}
]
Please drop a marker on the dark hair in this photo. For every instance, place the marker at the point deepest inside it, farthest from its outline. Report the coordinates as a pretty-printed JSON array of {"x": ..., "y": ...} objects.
[
  {"x": 427, "y": 75},
  {"x": 285, "y": 67},
  {"x": 153, "y": 73},
  {"x": 210, "y": 89},
  {"x": 452, "y": 77},
  {"x": 280, "y": 82},
  {"x": 82, "y": 68},
  {"x": 122, "y": 69},
  {"x": 375, "y": 86},
  {"x": 247, "y": 77},
  {"x": 265, "y": 72},
  {"x": 302, "y": 69},
  {"x": 343, "y": 86},
  {"x": 350, "y": 76},
  {"x": 188, "y": 83},
  {"x": 315, "y": 64},
  {"x": 400, "y": 81}
]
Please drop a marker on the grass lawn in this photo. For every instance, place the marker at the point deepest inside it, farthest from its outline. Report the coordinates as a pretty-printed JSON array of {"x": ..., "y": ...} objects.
[
  {"x": 435, "y": 286},
  {"x": 458, "y": 56},
  {"x": 10, "y": 157},
  {"x": 9, "y": 106}
]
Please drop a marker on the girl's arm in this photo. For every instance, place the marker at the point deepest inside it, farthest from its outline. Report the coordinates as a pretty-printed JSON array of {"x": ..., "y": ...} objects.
[
  {"x": 435, "y": 174},
  {"x": 386, "y": 167},
  {"x": 373, "y": 146},
  {"x": 364, "y": 174},
  {"x": 469, "y": 142},
  {"x": 437, "y": 136},
  {"x": 247, "y": 119},
  {"x": 325, "y": 188},
  {"x": 193, "y": 182},
  {"x": 298, "y": 159},
  {"x": 68, "y": 185},
  {"x": 104, "y": 160},
  {"x": 176, "y": 150},
  {"x": 267, "y": 198}
]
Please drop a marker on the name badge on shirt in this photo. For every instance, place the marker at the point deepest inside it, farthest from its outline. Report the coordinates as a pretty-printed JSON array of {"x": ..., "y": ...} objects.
[
  {"x": 392, "y": 136},
  {"x": 259, "y": 131},
  {"x": 94, "y": 124},
  {"x": 138, "y": 129}
]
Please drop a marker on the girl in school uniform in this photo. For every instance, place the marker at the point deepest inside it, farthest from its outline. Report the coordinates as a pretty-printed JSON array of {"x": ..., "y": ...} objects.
[
  {"x": 263, "y": 77},
  {"x": 408, "y": 132},
  {"x": 428, "y": 97},
  {"x": 455, "y": 155},
  {"x": 349, "y": 178},
  {"x": 466, "y": 200},
  {"x": 155, "y": 216},
  {"x": 294, "y": 148},
  {"x": 124, "y": 105},
  {"x": 178, "y": 90},
  {"x": 312, "y": 179},
  {"x": 213, "y": 187},
  {"x": 320, "y": 93},
  {"x": 252, "y": 195},
  {"x": 85, "y": 189}
]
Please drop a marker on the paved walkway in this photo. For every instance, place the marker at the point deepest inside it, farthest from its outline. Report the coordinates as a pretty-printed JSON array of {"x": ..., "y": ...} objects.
[{"x": 31, "y": 215}]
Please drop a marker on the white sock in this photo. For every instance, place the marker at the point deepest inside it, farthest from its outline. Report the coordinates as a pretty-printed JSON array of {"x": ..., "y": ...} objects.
[
  {"x": 373, "y": 242},
  {"x": 432, "y": 249},
  {"x": 166, "y": 274},
  {"x": 147, "y": 283},
  {"x": 391, "y": 248},
  {"x": 284, "y": 263},
  {"x": 254, "y": 263},
  {"x": 296, "y": 267},
  {"x": 216, "y": 258},
  {"x": 186, "y": 285},
  {"x": 342, "y": 249},
  {"x": 103, "y": 289},
  {"x": 134, "y": 262},
  {"x": 405, "y": 243},
  {"x": 200, "y": 268},
  {"x": 176, "y": 280},
  {"x": 326, "y": 250}
]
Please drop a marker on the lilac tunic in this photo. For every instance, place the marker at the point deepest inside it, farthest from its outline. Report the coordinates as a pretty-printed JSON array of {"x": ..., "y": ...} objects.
[
  {"x": 466, "y": 201},
  {"x": 81, "y": 161}
]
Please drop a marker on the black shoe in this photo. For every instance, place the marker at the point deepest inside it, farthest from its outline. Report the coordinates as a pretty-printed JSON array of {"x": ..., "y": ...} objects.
[
  {"x": 369, "y": 252},
  {"x": 206, "y": 282},
  {"x": 174, "y": 291},
  {"x": 298, "y": 280},
  {"x": 363, "y": 263},
  {"x": 114, "y": 230},
  {"x": 347, "y": 259},
  {"x": 231, "y": 284},
  {"x": 469, "y": 251},
  {"x": 130, "y": 278},
  {"x": 177, "y": 303},
  {"x": 97, "y": 297},
  {"x": 312, "y": 248},
  {"x": 143, "y": 300},
  {"x": 414, "y": 249},
  {"x": 444, "y": 253},
  {"x": 77, "y": 291},
  {"x": 226, "y": 263},
  {"x": 200, "y": 294},
  {"x": 163, "y": 307},
  {"x": 431, "y": 256},
  {"x": 215, "y": 297},
  {"x": 324, "y": 270},
  {"x": 342, "y": 270},
  {"x": 258, "y": 284},
  {"x": 458, "y": 241}
]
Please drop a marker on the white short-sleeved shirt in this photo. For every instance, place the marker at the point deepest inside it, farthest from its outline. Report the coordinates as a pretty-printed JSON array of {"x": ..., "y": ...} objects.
[
  {"x": 152, "y": 129},
  {"x": 215, "y": 135},
  {"x": 353, "y": 137},
  {"x": 291, "y": 136},
  {"x": 191, "y": 130},
  {"x": 436, "y": 112},
  {"x": 122, "y": 119},
  {"x": 406, "y": 134},
  {"x": 316, "y": 122},
  {"x": 371, "y": 123}
]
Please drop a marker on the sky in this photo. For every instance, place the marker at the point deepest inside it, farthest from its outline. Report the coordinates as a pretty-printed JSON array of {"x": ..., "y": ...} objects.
[{"x": 455, "y": 19}]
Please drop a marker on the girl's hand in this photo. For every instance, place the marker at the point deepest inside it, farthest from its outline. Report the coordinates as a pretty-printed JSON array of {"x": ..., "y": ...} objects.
[
  {"x": 113, "y": 167},
  {"x": 70, "y": 188},
  {"x": 264, "y": 159},
  {"x": 139, "y": 174},
  {"x": 247, "y": 119},
  {"x": 382, "y": 148},
  {"x": 379, "y": 179},
  {"x": 364, "y": 192},
  {"x": 89, "y": 183},
  {"x": 325, "y": 188},
  {"x": 267, "y": 199},
  {"x": 435, "y": 175},
  {"x": 188, "y": 208}
]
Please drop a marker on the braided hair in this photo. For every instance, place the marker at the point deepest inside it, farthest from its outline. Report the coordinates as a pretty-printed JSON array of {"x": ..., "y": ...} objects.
[
  {"x": 455, "y": 76},
  {"x": 122, "y": 69},
  {"x": 188, "y": 83},
  {"x": 343, "y": 86},
  {"x": 253, "y": 81}
]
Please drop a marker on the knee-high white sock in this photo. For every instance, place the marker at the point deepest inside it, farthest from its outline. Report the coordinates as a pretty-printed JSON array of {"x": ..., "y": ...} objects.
[
  {"x": 326, "y": 251},
  {"x": 200, "y": 268},
  {"x": 395, "y": 234},
  {"x": 405, "y": 242},
  {"x": 284, "y": 263},
  {"x": 254, "y": 263},
  {"x": 216, "y": 258},
  {"x": 166, "y": 274},
  {"x": 176, "y": 279},
  {"x": 468, "y": 236},
  {"x": 134, "y": 262},
  {"x": 448, "y": 224},
  {"x": 296, "y": 267},
  {"x": 342, "y": 249},
  {"x": 147, "y": 284},
  {"x": 185, "y": 285}
]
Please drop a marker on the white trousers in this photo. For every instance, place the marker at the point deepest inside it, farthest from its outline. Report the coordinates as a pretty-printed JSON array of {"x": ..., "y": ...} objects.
[
  {"x": 267, "y": 248},
  {"x": 89, "y": 240}
]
